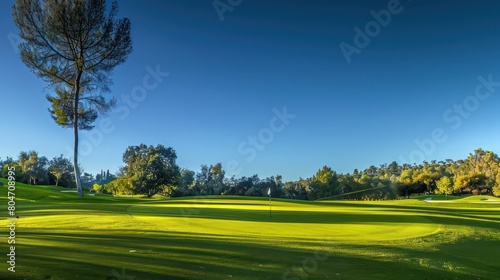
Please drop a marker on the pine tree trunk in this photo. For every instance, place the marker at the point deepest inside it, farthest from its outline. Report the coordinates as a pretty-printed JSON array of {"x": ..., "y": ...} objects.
[
  {"x": 75, "y": 156},
  {"x": 75, "y": 132}
]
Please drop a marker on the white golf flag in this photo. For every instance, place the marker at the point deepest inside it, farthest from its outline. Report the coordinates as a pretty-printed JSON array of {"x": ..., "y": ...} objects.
[{"x": 269, "y": 192}]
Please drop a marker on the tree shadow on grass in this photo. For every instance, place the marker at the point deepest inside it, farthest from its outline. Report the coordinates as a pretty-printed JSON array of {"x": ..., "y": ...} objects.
[
  {"x": 381, "y": 216},
  {"x": 160, "y": 255}
]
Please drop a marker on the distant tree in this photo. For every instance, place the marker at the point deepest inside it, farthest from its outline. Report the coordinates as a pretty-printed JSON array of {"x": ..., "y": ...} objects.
[
  {"x": 252, "y": 192},
  {"x": 99, "y": 178},
  {"x": 121, "y": 186},
  {"x": 74, "y": 46},
  {"x": 34, "y": 167},
  {"x": 210, "y": 180},
  {"x": 8, "y": 160},
  {"x": 426, "y": 176},
  {"x": 462, "y": 181},
  {"x": 496, "y": 187},
  {"x": 87, "y": 179},
  {"x": 97, "y": 188},
  {"x": 151, "y": 169},
  {"x": 218, "y": 176},
  {"x": 60, "y": 167},
  {"x": 203, "y": 179},
  {"x": 444, "y": 186},
  {"x": 185, "y": 183},
  {"x": 24, "y": 161},
  {"x": 104, "y": 177},
  {"x": 325, "y": 183},
  {"x": 41, "y": 173},
  {"x": 482, "y": 167},
  {"x": 371, "y": 171},
  {"x": 17, "y": 167},
  {"x": 394, "y": 169},
  {"x": 296, "y": 190},
  {"x": 468, "y": 182}
]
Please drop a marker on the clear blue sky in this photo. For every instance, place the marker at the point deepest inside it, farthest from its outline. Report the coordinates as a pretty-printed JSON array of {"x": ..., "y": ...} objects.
[{"x": 227, "y": 79}]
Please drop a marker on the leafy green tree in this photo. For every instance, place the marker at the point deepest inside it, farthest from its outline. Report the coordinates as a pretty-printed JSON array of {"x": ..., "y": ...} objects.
[
  {"x": 121, "y": 186},
  {"x": 406, "y": 177},
  {"x": 394, "y": 169},
  {"x": 210, "y": 180},
  {"x": 297, "y": 190},
  {"x": 74, "y": 46},
  {"x": 185, "y": 183},
  {"x": 17, "y": 168},
  {"x": 97, "y": 188},
  {"x": 444, "y": 186},
  {"x": 242, "y": 185},
  {"x": 24, "y": 161},
  {"x": 252, "y": 192},
  {"x": 8, "y": 160},
  {"x": 217, "y": 178},
  {"x": 34, "y": 167},
  {"x": 151, "y": 169},
  {"x": 483, "y": 166},
  {"x": 426, "y": 176},
  {"x": 325, "y": 183},
  {"x": 60, "y": 167},
  {"x": 496, "y": 187}
]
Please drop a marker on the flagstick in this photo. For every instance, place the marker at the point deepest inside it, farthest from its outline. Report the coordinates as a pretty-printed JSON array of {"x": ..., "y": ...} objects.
[{"x": 270, "y": 202}]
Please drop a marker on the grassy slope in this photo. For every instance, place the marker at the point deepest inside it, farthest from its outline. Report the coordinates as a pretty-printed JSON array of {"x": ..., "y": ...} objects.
[{"x": 62, "y": 237}]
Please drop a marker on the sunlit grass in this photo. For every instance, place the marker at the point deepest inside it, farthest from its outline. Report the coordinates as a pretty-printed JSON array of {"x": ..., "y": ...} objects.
[{"x": 60, "y": 236}]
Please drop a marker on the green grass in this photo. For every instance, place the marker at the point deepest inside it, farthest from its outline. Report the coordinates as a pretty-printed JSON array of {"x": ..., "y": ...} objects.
[
  {"x": 60, "y": 236},
  {"x": 436, "y": 197}
]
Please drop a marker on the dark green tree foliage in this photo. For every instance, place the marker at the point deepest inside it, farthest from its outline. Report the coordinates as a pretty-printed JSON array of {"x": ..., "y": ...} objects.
[
  {"x": 34, "y": 168},
  {"x": 73, "y": 46},
  {"x": 8, "y": 160},
  {"x": 210, "y": 180},
  {"x": 242, "y": 186},
  {"x": 325, "y": 183},
  {"x": 151, "y": 170},
  {"x": 185, "y": 183},
  {"x": 61, "y": 168},
  {"x": 121, "y": 186},
  {"x": 17, "y": 167},
  {"x": 298, "y": 189}
]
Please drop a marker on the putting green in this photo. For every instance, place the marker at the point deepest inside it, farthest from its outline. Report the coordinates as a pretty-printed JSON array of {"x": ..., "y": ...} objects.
[{"x": 252, "y": 219}]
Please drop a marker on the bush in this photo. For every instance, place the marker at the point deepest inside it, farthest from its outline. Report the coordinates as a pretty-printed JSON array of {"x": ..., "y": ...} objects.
[
  {"x": 18, "y": 170},
  {"x": 97, "y": 188}
]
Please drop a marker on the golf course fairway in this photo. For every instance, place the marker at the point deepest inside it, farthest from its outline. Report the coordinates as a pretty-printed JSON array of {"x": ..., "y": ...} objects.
[{"x": 59, "y": 236}]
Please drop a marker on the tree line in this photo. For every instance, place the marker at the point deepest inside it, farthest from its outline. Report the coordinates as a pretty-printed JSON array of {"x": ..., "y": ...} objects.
[
  {"x": 33, "y": 169},
  {"x": 151, "y": 170}
]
